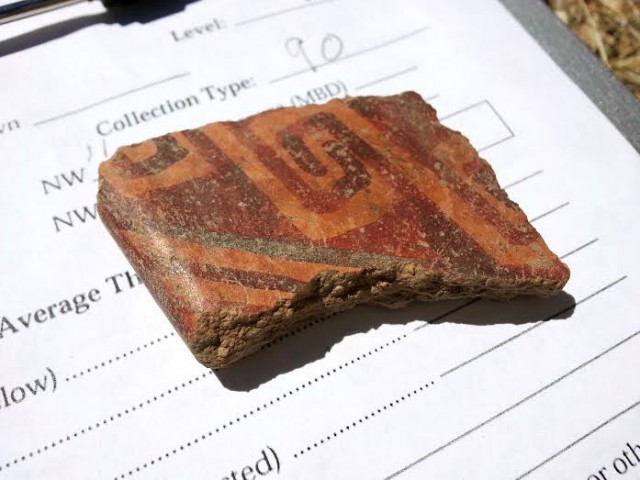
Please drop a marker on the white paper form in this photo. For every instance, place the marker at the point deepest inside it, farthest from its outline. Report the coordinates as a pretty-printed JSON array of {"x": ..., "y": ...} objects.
[{"x": 94, "y": 383}]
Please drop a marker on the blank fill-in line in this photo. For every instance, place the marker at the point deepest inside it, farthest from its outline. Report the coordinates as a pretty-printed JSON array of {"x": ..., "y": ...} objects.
[
  {"x": 387, "y": 77},
  {"x": 351, "y": 55},
  {"x": 277, "y": 399},
  {"x": 549, "y": 212},
  {"x": 113, "y": 97},
  {"x": 512, "y": 407},
  {"x": 533, "y": 327},
  {"x": 577, "y": 249},
  {"x": 523, "y": 179},
  {"x": 576, "y": 442},
  {"x": 497, "y": 142},
  {"x": 280, "y": 12}
]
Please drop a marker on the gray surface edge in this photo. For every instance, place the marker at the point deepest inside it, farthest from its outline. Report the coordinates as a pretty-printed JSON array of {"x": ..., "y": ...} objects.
[{"x": 582, "y": 66}]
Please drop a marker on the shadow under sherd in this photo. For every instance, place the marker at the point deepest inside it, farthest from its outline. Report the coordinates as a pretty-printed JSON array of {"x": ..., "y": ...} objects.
[
  {"x": 312, "y": 341},
  {"x": 519, "y": 311},
  {"x": 142, "y": 12}
]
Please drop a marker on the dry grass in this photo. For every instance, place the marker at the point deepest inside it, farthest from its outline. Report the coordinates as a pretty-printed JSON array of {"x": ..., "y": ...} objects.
[{"x": 612, "y": 29}]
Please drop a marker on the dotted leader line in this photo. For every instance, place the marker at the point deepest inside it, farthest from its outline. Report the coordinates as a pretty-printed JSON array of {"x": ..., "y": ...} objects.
[
  {"x": 298, "y": 330},
  {"x": 362, "y": 420},
  {"x": 162, "y": 395},
  {"x": 117, "y": 358},
  {"x": 284, "y": 395},
  {"x": 189, "y": 382},
  {"x": 156, "y": 341},
  {"x": 408, "y": 395},
  {"x": 105, "y": 421},
  {"x": 264, "y": 406},
  {"x": 302, "y": 386}
]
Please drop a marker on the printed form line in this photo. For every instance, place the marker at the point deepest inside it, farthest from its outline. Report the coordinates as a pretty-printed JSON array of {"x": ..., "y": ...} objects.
[
  {"x": 246, "y": 415},
  {"x": 387, "y": 77},
  {"x": 113, "y": 97},
  {"x": 291, "y": 392},
  {"x": 280, "y": 12},
  {"x": 374, "y": 350},
  {"x": 579, "y": 440},
  {"x": 267, "y": 404},
  {"x": 113, "y": 360},
  {"x": 497, "y": 142},
  {"x": 369, "y": 416},
  {"x": 533, "y": 327},
  {"x": 523, "y": 179},
  {"x": 372, "y": 413},
  {"x": 549, "y": 212},
  {"x": 436, "y": 319},
  {"x": 512, "y": 407},
  {"x": 88, "y": 428},
  {"x": 579, "y": 248}
]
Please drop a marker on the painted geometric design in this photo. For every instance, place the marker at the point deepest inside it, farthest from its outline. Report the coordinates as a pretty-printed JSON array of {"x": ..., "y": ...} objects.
[{"x": 242, "y": 229}]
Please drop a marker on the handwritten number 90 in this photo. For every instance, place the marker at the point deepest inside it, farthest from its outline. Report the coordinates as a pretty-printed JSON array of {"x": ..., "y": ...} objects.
[{"x": 330, "y": 49}]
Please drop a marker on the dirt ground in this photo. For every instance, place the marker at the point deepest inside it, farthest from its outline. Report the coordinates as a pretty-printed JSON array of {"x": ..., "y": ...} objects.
[{"x": 611, "y": 28}]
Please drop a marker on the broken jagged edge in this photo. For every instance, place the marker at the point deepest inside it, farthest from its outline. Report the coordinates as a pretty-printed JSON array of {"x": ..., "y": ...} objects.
[{"x": 241, "y": 230}]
